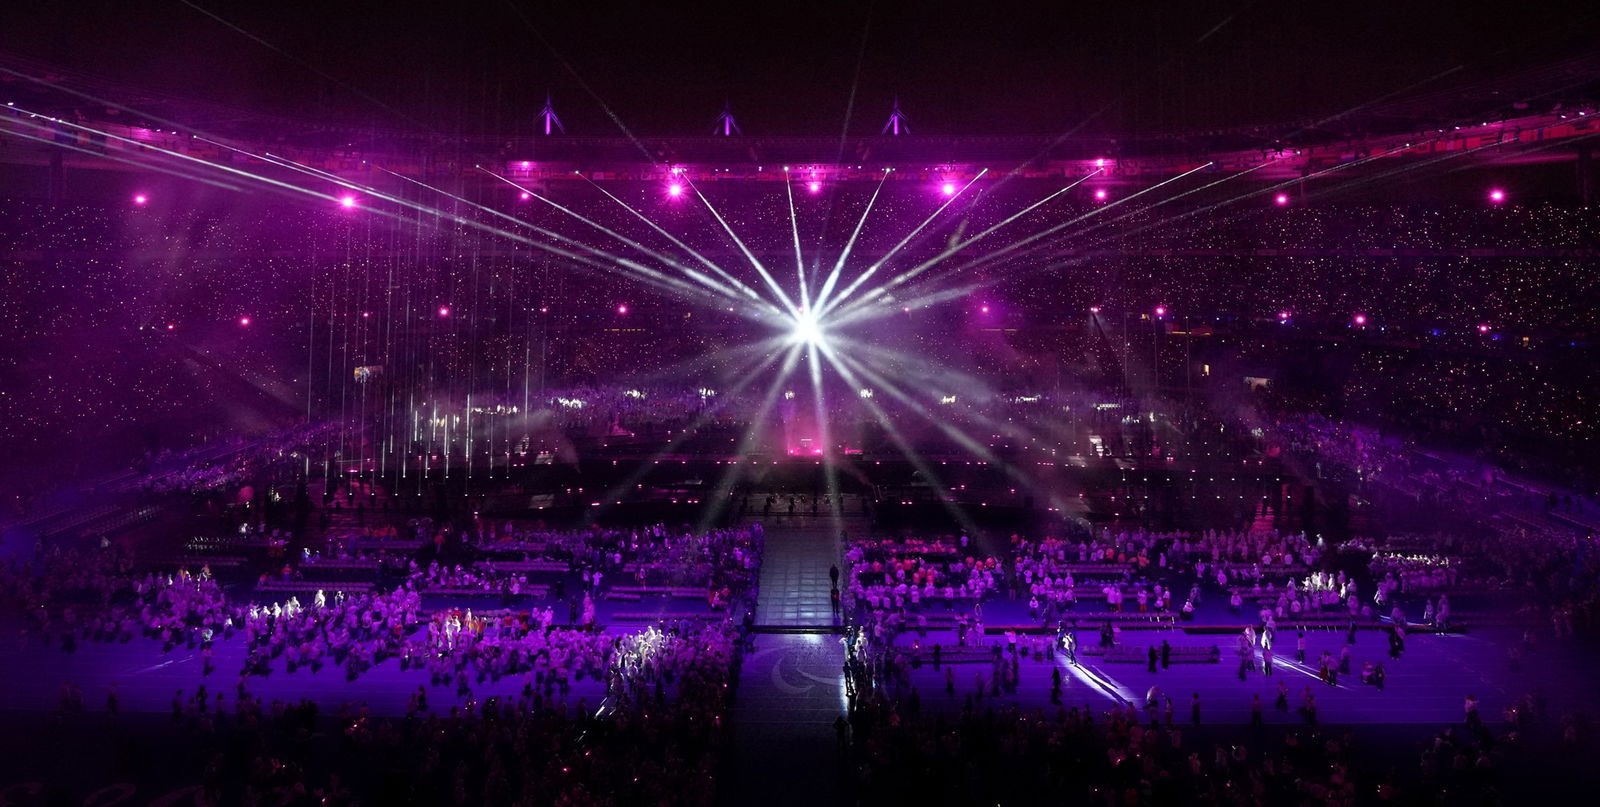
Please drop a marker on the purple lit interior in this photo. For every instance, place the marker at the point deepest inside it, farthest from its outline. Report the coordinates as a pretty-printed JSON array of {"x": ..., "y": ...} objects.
[{"x": 604, "y": 498}]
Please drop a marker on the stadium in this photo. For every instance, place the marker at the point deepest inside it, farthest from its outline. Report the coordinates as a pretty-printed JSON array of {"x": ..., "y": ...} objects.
[{"x": 550, "y": 405}]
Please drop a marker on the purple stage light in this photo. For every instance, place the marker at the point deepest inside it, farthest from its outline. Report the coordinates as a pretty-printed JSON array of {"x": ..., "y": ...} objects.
[
  {"x": 1483, "y": 328},
  {"x": 1283, "y": 315},
  {"x": 948, "y": 188},
  {"x": 526, "y": 196},
  {"x": 674, "y": 190},
  {"x": 984, "y": 309},
  {"x": 622, "y": 309},
  {"x": 1282, "y": 199},
  {"x": 1359, "y": 320},
  {"x": 1497, "y": 196},
  {"x": 244, "y": 322},
  {"x": 347, "y": 201},
  {"x": 1100, "y": 162},
  {"x": 814, "y": 186},
  {"x": 1100, "y": 194},
  {"x": 1094, "y": 309},
  {"x": 1161, "y": 310},
  {"x": 444, "y": 311},
  {"x": 140, "y": 199}
]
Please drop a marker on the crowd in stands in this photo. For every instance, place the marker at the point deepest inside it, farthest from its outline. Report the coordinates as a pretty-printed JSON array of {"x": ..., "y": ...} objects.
[{"x": 1336, "y": 447}]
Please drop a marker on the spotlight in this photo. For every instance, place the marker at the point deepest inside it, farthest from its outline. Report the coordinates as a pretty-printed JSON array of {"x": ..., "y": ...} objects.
[
  {"x": 1094, "y": 309},
  {"x": 1282, "y": 199},
  {"x": 805, "y": 330},
  {"x": 347, "y": 201},
  {"x": 526, "y": 196},
  {"x": 1483, "y": 328},
  {"x": 1496, "y": 196},
  {"x": 140, "y": 199},
  {"x": 1360, "y": 320},
  {"x": 622, "y": 309},
  {"x": 1100, "y": 194},
  {"x": 814, "y": 186},
  {"x": 984, "y": 309},
  {"x": 1161, "y": 310},
  {"x": 674, "y": 190},
  {"x": 1283, "y": 316},
  {"x": 244, "y": 322},
  {"x": 949, "y": 189},
  {"x": 444, "y": 311}
]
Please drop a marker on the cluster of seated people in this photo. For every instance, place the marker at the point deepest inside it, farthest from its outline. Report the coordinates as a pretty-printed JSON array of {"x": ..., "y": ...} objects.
[
  {"x": 357, "y": 632},
  {"x": 887, "y": 581},
  {"x": 657, "y": 734},
  {"x": 497, "y": 556}
]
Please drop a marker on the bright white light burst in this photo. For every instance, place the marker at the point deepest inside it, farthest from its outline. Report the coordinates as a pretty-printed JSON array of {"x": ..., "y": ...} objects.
[{"x": 806, "y": 329}]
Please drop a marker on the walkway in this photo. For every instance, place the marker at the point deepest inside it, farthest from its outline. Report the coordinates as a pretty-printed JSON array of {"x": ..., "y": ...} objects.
[{"x": 794, "y": 575}]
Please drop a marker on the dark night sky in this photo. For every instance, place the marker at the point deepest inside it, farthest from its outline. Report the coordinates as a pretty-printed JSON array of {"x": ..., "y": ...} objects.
[{"x": 665, "y": 68}]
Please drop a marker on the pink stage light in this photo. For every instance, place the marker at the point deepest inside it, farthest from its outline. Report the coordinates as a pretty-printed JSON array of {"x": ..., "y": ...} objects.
[
  {"x": 140, "y": 199},
  {"x": 1282, "y": 199},
  {"x": 1100, "y": 194},
  {"x": 1359, "y": 319},
  {"x": 444, "y": 311},
  {"x": 526, "y": 196},
  {"x": 1283, "y": 315},
  {"x": 1100, "y": 162},
  {"x": 814, "y": 186},
  {"x": 1094, "y": 309},
  {"x": 170, "y": 326},
  {"x": 674, "y": 190},
  {"x": 1497, "y": 196},
  {"x": 984, "y": 309},
  {"x": 1483, "y": 328},
  {"x": 244, "y": 322},
  {"x": 622, "y": 309},
  {"x": 949, "y": 189},
  {"x": 1161, "y": 310},
  {"x": 544, "y": 309},
  {"x": 347, "y": 201}
]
